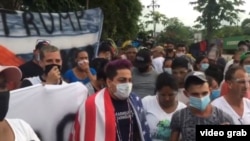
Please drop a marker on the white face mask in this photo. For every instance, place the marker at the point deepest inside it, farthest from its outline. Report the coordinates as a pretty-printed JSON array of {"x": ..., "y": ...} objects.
[
  {"x": 168, "y": 70},
  {"x": 123, "y": 56},
  {"x": 123, "y": 90},
  {"x": 180, "y": 54}
]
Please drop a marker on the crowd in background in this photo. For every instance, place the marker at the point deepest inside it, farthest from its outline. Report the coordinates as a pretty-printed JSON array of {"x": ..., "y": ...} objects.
[{"x": 157, "y": 92}]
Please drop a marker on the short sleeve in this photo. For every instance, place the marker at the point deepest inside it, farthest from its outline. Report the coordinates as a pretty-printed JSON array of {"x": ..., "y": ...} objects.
[
  {"x": 93, "y": 71},
  {"x": 175, "y": 124},
  {"x": 67, "y": 76},
  {"x": 226, "y": 118}
]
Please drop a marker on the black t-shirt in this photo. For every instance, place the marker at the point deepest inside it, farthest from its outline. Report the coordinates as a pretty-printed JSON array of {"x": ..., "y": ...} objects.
[
  {"x": 30, "y": 69},
  {"x": 125, "y": 119}
]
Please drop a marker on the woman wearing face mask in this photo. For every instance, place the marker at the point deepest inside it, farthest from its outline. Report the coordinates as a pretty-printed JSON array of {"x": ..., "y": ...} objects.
[
  {"x": 167, "y": 65},
  {"x": 214, "y": 86},
  {"x": 12, "y": 129},
  {"x": 160, "y": 107},
  {"x": 81, "y": 72},
  {"x": 201, "y": 64}
]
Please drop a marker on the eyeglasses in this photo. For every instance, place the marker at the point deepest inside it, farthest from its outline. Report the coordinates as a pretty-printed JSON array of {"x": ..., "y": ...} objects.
[{"x": 42, "y": 40}]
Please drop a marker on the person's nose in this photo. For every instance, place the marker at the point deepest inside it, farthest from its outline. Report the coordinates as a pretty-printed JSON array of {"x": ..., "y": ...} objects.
[{"x": 166, "y": 98}]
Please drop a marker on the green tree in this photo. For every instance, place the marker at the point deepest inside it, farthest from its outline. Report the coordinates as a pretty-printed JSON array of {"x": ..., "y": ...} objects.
[
  {"x": 54, "y": 5},
  {"x": 127, "y": 18},
  {"x": 215, "y": 12},
  {"x": 120, "y": 18},
  {"x": 155, "y": 18},
  {"x": 245, "y": 26},
  {"x": 143, "y": 33},
  {"x": 11, "y": 4},
  {"x": 176, "y": 31},
  {"x": 228, "y": 31}
]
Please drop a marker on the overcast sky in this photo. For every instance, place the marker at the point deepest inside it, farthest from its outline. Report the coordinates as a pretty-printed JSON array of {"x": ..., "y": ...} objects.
[{"x": 183, "y": 10}]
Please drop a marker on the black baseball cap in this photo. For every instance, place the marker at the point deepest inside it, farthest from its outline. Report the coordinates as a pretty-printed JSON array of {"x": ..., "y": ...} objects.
[{"x": 143, "y": 58}]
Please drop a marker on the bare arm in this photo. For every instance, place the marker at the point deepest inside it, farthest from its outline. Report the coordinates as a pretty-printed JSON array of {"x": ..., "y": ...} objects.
[
  {"x": 175, "y": 135},
  {"x": 92, "y": 77}
]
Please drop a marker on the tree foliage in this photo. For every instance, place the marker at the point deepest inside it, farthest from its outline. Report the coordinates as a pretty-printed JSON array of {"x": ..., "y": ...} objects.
[
  {"x": 155, "y": 17},
  {"x": 120, "y": 16},
  {"x": 245, "y": 26},
  {"x": 176, "y": 31},
  {"x": 54, "y": 5},
  {"x": 228, "y": 31},
  {"x": 11, "y": 4},
  {"x": 217, "y": 12}
]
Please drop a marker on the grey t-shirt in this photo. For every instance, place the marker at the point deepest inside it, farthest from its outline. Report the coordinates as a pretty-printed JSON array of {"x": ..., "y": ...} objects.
[
  {"x": 143, "y": 83},
  {"x": 185, "y": 122}
]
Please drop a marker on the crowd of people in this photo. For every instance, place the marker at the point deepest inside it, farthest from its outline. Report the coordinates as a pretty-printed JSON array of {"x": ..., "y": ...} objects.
[{"x": 137, "y": 94}]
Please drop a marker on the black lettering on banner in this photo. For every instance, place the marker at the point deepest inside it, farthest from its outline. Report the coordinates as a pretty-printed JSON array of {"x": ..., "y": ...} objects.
[
  {"x": 4, "y": 20},
  {"x": 62, "y": 124},
  {"x": 52, "y": 28},
  {"x": 223, "y": 132},
  {"x": 28, "y": 20},
  {"x": 78, "y": 17},
  {"x": 67, "y": 16}
]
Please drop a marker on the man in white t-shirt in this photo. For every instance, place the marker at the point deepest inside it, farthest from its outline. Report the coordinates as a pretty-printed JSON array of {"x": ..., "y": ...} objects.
[
  {"x": 12, "y": 129},
  {"x": 158, "y": 58},
  {"x": 234, "y": 103},
  {"x": 160, "y": 107}
]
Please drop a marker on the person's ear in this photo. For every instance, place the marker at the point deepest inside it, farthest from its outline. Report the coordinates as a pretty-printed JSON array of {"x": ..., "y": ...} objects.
[
  {"x": 210, "y": 90},
  {"x": 229, "y": 84},
  {"x": 41, "y": 63},
  {"x": 108, "y": 82}
]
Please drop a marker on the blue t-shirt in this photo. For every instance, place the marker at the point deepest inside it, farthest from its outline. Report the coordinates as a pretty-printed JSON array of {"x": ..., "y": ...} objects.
[{"x": 70, "y": 76}]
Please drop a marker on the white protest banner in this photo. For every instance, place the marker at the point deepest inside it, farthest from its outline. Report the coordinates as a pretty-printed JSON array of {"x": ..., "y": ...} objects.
[
  {"x": 20, "y": 30},
  {"x": 49, "y": 109}
]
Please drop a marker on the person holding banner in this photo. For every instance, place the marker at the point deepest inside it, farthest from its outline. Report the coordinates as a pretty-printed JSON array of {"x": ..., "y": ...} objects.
[
  {"x": 113, "y": 113},
  {"x": 12, "y": 129},
  {"x": 51, "y": 62}
]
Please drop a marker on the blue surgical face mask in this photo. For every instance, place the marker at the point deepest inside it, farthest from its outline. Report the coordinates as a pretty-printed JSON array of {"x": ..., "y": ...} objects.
[
  {"x": 168, "y": 70},
  {"x": 199, "y": 103},
  {"x": 247, "y": 68},
  {"x": 215, "y": 94},
  {"x": 204, "y": 66}
]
